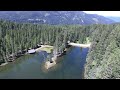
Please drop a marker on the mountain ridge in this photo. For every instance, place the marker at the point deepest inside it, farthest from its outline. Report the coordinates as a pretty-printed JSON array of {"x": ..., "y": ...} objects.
[
  {"x": 115, "y": 18},
  {"x": 55, "y": 17}
]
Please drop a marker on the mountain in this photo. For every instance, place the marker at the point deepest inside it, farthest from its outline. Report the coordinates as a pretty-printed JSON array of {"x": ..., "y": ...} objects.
[
  {"x": 55, "y": 17},
  {"x": 116, "y": 19}
]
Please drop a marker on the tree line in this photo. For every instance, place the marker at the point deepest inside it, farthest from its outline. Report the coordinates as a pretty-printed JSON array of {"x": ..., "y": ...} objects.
[
  {"x": 17, "y": 38},
  {"x": 103, "y": 59}
]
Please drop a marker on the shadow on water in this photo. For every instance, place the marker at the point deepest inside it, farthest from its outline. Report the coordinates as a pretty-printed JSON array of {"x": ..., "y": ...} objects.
[{"x": 69, "y": 66}]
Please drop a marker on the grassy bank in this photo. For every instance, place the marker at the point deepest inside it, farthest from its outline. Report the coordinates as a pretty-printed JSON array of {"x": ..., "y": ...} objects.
[{"x": 46, "y": 48}]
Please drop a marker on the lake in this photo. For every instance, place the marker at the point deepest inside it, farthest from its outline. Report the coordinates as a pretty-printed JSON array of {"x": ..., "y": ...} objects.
[{"x": 69, "y": 66}]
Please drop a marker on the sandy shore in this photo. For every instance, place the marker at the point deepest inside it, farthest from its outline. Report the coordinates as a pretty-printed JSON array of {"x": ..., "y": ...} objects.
[
  {"x": 46, "y": 48},
  {"x": 80, "y": 45}
]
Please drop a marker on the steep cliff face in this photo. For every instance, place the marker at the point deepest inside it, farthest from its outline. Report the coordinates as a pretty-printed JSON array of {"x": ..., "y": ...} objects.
[
  {"x": 103, "y": 60},
  {"x": 55, "y": 17}
]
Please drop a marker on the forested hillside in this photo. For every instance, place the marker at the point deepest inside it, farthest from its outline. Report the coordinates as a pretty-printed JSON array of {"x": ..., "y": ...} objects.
[
  {"x": 55, "y": 17},
  {"x": 103, "y": 60},
  {"x": 16, "y": 38}
]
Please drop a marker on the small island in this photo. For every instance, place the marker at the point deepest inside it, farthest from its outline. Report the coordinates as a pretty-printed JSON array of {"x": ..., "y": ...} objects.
[{"x": 52, "y": 62}]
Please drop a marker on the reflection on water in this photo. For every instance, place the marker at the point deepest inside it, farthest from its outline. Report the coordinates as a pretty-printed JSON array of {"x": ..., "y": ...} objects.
[{"x": 69, "y": 66}]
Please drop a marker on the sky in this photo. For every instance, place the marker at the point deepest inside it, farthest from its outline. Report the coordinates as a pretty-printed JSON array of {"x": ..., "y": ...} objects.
[{"x": 105, "y": 13}]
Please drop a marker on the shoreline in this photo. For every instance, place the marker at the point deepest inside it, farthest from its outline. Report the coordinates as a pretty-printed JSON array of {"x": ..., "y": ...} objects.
[
  {"x": 47, "y": 48},
  {"x": 37, "y": 50},
  {"x": 80, "y": 45},
  {"x": 3, "y": 64},
  {"x": 49, "y": 65},
  {"x": 44, "y": 48}
]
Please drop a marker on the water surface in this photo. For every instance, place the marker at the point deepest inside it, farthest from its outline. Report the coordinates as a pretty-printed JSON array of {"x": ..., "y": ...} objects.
[{"x": 69, "y": 66}]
